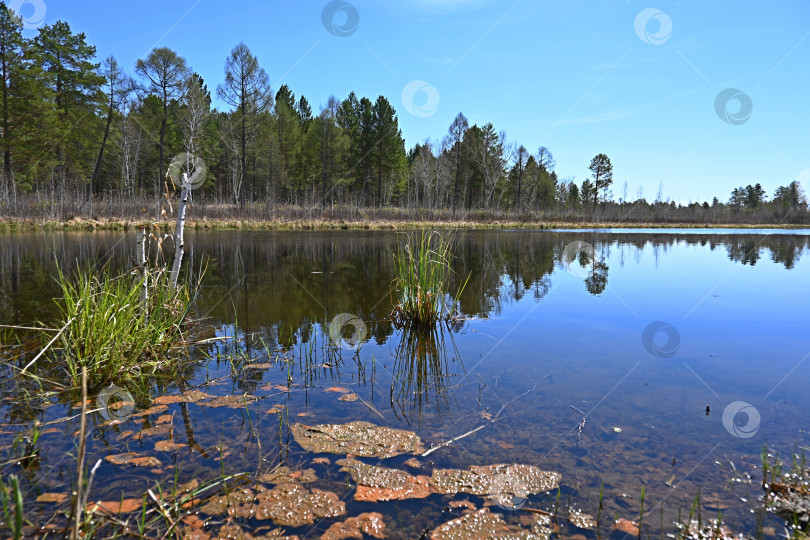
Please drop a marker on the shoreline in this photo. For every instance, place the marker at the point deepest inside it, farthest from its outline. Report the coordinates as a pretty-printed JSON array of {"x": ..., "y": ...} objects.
[{"x": 78, "y": 224}]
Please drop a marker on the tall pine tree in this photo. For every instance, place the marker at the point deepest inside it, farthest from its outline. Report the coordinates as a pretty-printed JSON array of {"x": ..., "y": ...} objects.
[{"x": 75, "y": 86}]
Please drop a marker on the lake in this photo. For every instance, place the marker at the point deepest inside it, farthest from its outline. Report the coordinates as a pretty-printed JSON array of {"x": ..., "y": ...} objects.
[{"x": 654, "y": 360}]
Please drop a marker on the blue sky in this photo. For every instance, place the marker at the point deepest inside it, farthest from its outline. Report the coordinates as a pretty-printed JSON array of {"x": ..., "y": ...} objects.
[{"x": 637, "y": 80}]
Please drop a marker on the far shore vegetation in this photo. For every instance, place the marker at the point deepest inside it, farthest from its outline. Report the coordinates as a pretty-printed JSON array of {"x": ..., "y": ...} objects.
[{"x": 260, "y": 217}]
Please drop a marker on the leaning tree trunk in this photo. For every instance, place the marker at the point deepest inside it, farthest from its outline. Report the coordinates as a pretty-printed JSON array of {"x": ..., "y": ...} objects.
[
  {"x": 97, "y": 168},
  {"x": 178, "y": 231}
]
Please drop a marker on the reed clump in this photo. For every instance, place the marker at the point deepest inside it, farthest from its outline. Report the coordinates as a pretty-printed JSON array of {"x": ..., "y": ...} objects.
[
  {"x": 120, "y": 327},
  {"x": 422, "y": 278}
]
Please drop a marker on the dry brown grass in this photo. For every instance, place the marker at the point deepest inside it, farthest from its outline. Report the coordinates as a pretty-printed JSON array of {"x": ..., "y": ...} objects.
[{"x": 106, "y": 224}]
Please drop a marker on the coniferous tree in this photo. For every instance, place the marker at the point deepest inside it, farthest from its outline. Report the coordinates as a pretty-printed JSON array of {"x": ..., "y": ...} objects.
[
  {"x": 790, "y": 196},
  {"x": 489, "y": 158},
  {"x": 573, "y": 194},
  {"x": 457, "y": 130},
  {"x": 388, "y": 145},
  {"x": 11, "y": 67},
  {"x": 588, "y": 191},
  {"x": 75, "y": 88},
  {"x": 247, "y": 89},
  {"x": 165, "y": 73},
  {"x": 517, "y": 172},
  {"x": 602, "y": 174},
  {"x": 289, "y": 138}
]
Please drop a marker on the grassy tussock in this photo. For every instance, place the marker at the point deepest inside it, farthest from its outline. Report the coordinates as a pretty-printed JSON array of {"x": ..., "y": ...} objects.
[
  {"x": 113, "y": 331},
  {"x": 422, "y": 275}
]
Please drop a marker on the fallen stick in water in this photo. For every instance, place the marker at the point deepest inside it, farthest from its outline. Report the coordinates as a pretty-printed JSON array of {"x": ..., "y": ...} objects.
[
  {"x": 451, "y": 441},
  {"x": 370, "y": 407},
  {"x": 31, "y": 363}
]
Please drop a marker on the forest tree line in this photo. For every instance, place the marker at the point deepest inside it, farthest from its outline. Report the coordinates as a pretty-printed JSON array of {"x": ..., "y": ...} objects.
[{"x": 78, "y": 129}]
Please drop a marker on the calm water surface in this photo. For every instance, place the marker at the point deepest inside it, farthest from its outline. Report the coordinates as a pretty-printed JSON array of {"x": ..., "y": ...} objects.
[{"x": 616, "y": 369}]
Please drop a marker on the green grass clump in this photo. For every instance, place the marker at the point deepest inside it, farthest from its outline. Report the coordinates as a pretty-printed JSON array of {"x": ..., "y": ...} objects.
[
  {"x": 114, "y": 331},
  {"x": 422, "y": 278},
  {"x": 12, "y": 499}
]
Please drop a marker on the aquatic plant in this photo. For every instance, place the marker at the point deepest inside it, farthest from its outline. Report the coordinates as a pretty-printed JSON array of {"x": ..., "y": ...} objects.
[
  {"x": 111, "y": 327},
  {"x": 12, "y": 500},
  {"x": 422, "y": 278}
]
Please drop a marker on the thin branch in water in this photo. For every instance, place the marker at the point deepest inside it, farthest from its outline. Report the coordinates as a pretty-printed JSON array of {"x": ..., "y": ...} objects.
[
  {"x": 31, "y": 363},
  {"x": 451, "y": 441}
]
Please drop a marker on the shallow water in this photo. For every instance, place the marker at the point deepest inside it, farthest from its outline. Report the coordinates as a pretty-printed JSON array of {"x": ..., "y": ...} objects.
[{"x": 664, "y": 324}]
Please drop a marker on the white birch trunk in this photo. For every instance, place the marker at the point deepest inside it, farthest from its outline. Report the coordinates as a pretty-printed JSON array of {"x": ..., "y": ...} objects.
[
  {"x": 140, "y": 260},
  {"x": 178, "y": 231}
]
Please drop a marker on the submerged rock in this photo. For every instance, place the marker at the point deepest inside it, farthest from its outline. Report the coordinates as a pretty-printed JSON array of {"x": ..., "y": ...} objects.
[
  {"x": 289, "y": 505},
  {"x": 189, "y": 396},
  {"x": 516, "y": 480},
  {"x": 132, "y": 458},
  {"x": 542, "y": 526},
  {"x": 466, "y": 505},
  {"x": 232, "y": 530},
  {"x": 232, "y": 402},
  {"x": 293, "y": 505},
  {"x": 238, "y": 503},
  {"x": 626, "y": 526},
  {"x": 370, "y": 523},
  {"x": 581, "y": 519},
  {"x": 362, "y": 439},
  {"x": 160, "y": 429},
  {"x": 124, "y": 506},
  {"x": 152, "y": 410},
  {"x": 169, "y": 446},
  {"x": 478, "y": 524},
  {"x": 383, "y": 484},
  {"x": 121, "y": 459},
  {"x": 285, "y": 475},
  {"x": 190, "y": 533},
  {"x": 790, "y": 501},
  {"x": 713, "y": 530},
  {"x": 52, "y": 498}
]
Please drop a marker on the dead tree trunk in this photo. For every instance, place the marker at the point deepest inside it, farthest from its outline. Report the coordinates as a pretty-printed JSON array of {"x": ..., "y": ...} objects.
[
  {"x": 178, "y": 231},
  {"x": 140, "y": 261}
]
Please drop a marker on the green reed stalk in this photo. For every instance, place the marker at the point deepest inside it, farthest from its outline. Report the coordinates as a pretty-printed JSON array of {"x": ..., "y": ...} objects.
[{"x": 422, "y": 277}]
